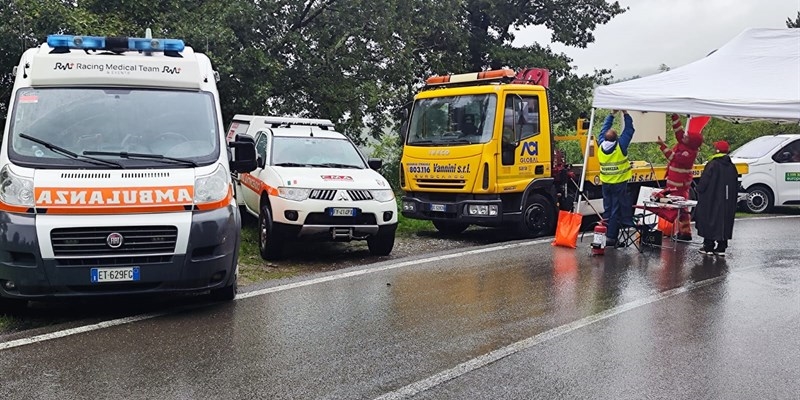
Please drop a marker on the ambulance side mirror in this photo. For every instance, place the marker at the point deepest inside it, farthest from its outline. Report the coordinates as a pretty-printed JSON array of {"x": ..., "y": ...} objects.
[{"x": 244, "y": 154}]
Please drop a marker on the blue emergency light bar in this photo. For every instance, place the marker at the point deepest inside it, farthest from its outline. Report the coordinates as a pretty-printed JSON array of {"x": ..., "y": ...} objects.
[{"x": 114, "y": 43}]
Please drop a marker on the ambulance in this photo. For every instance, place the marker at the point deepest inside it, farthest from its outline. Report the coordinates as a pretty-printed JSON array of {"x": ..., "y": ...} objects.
[{"x": 115, "y": 173}]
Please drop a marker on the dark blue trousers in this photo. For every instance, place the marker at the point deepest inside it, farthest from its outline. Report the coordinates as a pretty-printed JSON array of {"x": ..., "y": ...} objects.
[{"x": 617, "y": 206}]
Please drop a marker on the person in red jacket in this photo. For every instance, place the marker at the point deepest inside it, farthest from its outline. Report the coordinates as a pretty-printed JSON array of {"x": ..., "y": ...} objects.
[{"x": 679, "y": 178}]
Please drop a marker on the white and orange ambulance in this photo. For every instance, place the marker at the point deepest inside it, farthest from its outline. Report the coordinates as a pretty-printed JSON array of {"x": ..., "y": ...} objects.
[{"x": 115, "y": 173}]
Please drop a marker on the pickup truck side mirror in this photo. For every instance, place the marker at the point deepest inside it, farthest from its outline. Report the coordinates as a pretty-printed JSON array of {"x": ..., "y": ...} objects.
[
  {"x": 375, "y": 163},
  {"x": 244, "y": 154}
]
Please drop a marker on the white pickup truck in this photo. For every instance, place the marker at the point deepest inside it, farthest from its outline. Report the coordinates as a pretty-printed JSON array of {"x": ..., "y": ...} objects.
[
  {"x": 774, "y": 172},
  {"x": 312, "y": 183}
]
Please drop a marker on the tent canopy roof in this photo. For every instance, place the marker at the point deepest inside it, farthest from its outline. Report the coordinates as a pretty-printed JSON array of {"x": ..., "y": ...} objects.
[{"x": 755, "y": 76}]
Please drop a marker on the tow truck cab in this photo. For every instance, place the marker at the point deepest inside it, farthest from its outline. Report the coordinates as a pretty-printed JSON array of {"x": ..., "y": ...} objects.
[
  {"x": 478, "y": 150},
  {"x": 115, "y": 177}
]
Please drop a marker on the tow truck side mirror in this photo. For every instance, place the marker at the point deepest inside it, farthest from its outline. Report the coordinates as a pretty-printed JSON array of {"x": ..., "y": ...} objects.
[
  {"x": 244, "y": 154},
  {"x": 375, "y": 163},
  {"x": 260, "y": 162}
]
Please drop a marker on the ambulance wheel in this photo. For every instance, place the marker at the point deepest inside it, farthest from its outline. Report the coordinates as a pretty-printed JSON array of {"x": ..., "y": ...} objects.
[
  {"x": 227, "y": 293},
  {"x": 12, "y": 306},
  {"x": 269, "y": 244},
  {"x": 759, "y": 199},
  {"x": 538, "y": 217},
  {"x": 450, "y": 227}
]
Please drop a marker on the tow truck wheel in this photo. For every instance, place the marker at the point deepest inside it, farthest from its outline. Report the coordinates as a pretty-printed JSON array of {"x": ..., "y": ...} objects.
[
  {"x": 538, "y": 217},
  {"x": 380, "y": 245},
  {"x": 759, "y": 200},
  {"x": 450, "y": 227},
  {"x": 270, "y": 246}
]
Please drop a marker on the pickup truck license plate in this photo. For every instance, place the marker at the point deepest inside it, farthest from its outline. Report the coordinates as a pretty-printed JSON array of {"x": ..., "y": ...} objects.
[
  {"x": 126, "y": 274},
  {"x": 438, "y": 207},
  {"x": 342, "y": 212}
]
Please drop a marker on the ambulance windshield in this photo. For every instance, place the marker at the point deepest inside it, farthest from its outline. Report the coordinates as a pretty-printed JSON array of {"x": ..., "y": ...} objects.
[
  {"x": 177, "y": 124},
  {"x": 454, "y": 120}
]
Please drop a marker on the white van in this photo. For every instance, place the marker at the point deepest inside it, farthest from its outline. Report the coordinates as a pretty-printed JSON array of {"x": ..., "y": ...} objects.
[
  {"x": 774, "y": 172},
  {"x": 313, "y": 183},
  {"x": 115, "y": 177}
]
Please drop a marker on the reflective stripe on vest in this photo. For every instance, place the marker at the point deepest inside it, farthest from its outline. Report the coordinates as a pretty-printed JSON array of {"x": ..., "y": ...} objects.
[{"x": 614, "y": 167}]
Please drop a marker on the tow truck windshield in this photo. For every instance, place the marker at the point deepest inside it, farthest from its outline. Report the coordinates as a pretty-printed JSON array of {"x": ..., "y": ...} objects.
[
  {"x": 151, "y": 126},
  {"x": 454, "y": 120}
]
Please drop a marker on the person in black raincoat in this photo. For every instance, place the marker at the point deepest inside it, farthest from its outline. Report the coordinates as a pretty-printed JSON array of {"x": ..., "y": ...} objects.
[{"x": 716, "y": 205}]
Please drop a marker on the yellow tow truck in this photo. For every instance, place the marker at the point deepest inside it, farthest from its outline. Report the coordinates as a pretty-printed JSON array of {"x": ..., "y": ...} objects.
[{"x": 479, "y": 149}]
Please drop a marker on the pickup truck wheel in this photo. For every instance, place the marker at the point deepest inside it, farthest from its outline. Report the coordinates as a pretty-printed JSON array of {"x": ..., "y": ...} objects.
[
  {"x": 759, "y": 199},
  {"x": 270, "y": 245},
  {"x": 450, "y": 227},
  {"x": 380, "y": 245},
  {"x": 538, "y": 218}
]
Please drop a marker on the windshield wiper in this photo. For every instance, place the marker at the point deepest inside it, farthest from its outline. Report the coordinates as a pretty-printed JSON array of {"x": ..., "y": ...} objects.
[
  {"x": 289, "y": 164},
  {"x": 145, "y": 156},
  {"x": 64, "y": 152},
  {"x": 336, "y": 165},
  {"x": 421, "y": 143}
]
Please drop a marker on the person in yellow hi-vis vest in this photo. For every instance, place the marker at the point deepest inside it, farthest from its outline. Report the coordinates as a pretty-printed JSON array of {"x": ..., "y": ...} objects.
[{"x": 615, "y": 172}]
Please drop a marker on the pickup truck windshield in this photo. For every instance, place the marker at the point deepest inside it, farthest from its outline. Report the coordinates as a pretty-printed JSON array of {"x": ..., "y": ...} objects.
[
  {"x": 455, "y": 120},
  {"x": 315, "y": 152},
  {"x": 104, "y": 122}
]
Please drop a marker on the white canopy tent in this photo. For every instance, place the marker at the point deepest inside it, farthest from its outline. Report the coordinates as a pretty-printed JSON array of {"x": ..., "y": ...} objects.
[{"x": 755, "y": 76}]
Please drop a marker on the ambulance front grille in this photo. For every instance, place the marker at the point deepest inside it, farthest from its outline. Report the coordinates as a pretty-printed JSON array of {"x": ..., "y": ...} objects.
[{"x": 94, "y": 241}]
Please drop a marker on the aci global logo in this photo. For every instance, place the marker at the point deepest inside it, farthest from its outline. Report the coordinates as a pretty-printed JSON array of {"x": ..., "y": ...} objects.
[{"x": 529, "y": 152}]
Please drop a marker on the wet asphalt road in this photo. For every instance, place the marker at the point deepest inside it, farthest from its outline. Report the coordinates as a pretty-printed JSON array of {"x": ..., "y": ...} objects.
[{"x": 664, "y": 324}]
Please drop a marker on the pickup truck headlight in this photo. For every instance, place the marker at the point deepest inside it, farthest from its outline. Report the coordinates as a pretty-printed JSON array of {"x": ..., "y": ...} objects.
[
  {"x": 382, "y": 195},
  {"x": 14, "y": 189},
  {"x": 294, "y": 194},
  {"x": 212, "y": 188}
]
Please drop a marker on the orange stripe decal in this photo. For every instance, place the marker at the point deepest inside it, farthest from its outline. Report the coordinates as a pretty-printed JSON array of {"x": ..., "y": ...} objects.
[{"x": 257, "y": 185}]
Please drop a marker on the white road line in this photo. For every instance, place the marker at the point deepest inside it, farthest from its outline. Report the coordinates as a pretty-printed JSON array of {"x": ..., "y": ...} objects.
[
  {"x": 77, "y": 330},
  {"x": 503, "y": 352},
  {"x": 388, "y": 267},
  {"x": 122, "y": 321}
]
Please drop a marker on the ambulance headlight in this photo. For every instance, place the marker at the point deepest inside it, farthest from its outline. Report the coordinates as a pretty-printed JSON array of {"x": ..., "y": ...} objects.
[
  {"x": 382, "y": 195},
  {"x": 212, "y": 188},
  {"x": 14, "y": 189}
]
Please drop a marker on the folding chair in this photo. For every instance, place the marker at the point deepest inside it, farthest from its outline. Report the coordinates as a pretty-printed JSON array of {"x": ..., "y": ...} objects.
[{"x": 630, "y": 234}]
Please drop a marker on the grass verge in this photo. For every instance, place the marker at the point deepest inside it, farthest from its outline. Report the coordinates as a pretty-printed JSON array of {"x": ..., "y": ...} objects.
[{"x": 6, "y": 323}]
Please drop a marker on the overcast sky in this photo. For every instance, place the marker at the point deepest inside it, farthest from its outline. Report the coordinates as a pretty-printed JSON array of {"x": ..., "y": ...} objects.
[{"x": 672, "y": 32}]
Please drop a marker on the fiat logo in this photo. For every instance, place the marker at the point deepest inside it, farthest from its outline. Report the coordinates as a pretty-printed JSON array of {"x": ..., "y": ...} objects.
[{"x": 114, "y": 240}]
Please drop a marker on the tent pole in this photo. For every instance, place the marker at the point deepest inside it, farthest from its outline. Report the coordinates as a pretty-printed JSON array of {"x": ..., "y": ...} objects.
[{"x": 585, "y": 157}]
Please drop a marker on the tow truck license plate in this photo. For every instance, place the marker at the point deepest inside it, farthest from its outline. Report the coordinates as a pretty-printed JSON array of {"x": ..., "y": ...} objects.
[
  {"x": 438, "y": 207},
  {"x": 114, "y": 274},
  {"x": 342, "y": 212}
]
